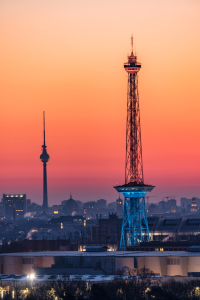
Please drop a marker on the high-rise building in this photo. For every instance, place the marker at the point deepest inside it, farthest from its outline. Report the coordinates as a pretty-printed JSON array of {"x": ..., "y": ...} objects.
[
  {"x": 14, "y": 205},
  {"x": 44, "y": 157},
  {"x": 119, "y": 204},
  {"x": 194, "y": 206},
  {"x": 134, "y": 225}
]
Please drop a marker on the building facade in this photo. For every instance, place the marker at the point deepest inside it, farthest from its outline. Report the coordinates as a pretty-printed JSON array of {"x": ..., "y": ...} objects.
[
  {"x": 169, "y": 263},
  {"x": 14, "y": 205}
]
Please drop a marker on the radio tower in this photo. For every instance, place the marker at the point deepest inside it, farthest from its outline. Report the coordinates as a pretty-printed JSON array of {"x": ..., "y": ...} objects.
[
  {"x": 44, "y": 157},
  {"x": 134, "y": 225}
]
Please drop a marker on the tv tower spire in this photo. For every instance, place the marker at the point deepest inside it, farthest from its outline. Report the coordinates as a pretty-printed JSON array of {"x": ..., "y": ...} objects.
[
  {"x": 44, "y": 157},
  {"x": 134, "y": 225}
]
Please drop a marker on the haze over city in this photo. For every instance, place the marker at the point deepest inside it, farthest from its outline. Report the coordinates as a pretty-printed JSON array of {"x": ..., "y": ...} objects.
[{"x": 66, "y": 57}]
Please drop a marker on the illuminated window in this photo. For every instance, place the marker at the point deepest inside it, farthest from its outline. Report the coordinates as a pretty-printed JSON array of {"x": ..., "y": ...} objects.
[
  {"x": 55, "y": 212},
  {"x": 84, "y": 223},
  {"x": 61, "y": 225},
  {"x": 161, "y": 249},
  {"x": 156, "y": 249}
]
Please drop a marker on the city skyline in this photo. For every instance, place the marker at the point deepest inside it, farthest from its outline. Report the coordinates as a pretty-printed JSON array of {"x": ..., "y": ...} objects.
[{"x": 54, "y": 60}]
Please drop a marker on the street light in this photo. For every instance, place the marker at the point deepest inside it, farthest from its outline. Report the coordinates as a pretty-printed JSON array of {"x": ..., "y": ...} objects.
[{"x": 31, "y": 276}]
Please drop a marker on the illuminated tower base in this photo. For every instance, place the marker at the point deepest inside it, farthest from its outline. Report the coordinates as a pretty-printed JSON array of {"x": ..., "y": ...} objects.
[{"x": 134, "y": 225}]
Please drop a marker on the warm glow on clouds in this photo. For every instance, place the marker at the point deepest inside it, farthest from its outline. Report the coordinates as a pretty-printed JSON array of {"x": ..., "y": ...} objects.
[{"x": 66, "y": 57}]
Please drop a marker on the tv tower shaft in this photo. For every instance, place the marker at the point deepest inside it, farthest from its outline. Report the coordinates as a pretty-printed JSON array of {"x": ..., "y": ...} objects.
[{"x": 44, "y": 157}]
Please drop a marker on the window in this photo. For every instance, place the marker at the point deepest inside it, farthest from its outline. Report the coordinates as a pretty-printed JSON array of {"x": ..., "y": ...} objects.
[
  {"x": 28, "y": 261},
  {"x": 173, "y": 261}
]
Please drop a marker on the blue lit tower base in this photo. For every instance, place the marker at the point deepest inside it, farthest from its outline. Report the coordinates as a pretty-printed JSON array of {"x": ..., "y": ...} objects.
[{"x": 134, "y": 226}]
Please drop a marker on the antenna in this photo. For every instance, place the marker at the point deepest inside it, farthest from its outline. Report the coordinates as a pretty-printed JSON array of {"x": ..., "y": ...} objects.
[
  {"x": 132, "y": 44},
  {"x": 44, "y": 125}
]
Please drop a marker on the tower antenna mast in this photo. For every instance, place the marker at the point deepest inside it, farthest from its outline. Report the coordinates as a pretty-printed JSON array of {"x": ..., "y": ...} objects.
[
  {"x": 132, "y": 45},
  {"x": 44, "y": 125}
]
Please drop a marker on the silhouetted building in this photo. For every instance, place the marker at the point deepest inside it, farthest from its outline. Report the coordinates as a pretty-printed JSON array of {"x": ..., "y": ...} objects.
[
  {"x": 17, "y": 202},
  {"x": 108, "y": 231},
  {"x": 56, "y": 209},
  {"x": 69, "y": 206},
  {"x": 186, "y": 202},
  {"x": 112, "y": 206},
  {"x": 194, "y": 207},
  {"x": 163, "y": 206},
  {"x": 89, "y": 207},
  {"x": 161, "y": 246},
  {"x": 1, "y": 209},
  {"x": 119, "y": 204},
  {"x": 172, "y": 205},
  {"x": 153, "y": 209},
  {"x": 80, "y": 205},
  {"x": 101, "y": 203},
  {"x": 68, "y": 221}
]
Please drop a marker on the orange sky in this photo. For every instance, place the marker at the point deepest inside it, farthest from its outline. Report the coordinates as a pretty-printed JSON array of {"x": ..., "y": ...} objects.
[{"x": 66, "y": 57}]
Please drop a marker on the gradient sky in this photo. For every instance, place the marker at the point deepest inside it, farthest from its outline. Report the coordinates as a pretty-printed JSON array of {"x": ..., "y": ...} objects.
[{"x": 66, "y": 57}]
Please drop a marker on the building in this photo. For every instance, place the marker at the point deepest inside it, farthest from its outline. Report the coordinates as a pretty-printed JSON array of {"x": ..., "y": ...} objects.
[
  {"x": 89, "y": 207},
  {"x": 174, "y": 229},
  {"x": 65, "y": 222},
  {"x": 101, "y": 203},
  {"x": 194, "y": 206},
  {"x": 169, "y": 263},
  {"x": 56, "y": 209},
  {"x": 162, "y": 246},
  {"x": 172, "y": 205},
  {"x": 69, "y": 206},
  {"x": 119, "y": 205},
  {"x": 14, "y": 202}
]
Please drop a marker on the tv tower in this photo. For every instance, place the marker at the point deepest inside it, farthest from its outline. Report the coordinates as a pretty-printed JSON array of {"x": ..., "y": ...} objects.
[
  {"x": 44, "y": 157},
  {"x": 134, "y": 225}
]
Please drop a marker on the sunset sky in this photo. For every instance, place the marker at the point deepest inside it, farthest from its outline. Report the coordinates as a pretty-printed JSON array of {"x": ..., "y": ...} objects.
[{"x": 66, "y": 57}]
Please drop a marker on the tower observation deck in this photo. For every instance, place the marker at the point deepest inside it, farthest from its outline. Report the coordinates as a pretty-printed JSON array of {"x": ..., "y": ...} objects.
[
  {"x": 134, "y": 225},
  {"x": 44, "y": 157}
]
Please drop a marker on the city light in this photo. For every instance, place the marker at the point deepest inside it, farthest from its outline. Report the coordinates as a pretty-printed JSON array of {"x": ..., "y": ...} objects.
[{"x": 31, "y": 276}]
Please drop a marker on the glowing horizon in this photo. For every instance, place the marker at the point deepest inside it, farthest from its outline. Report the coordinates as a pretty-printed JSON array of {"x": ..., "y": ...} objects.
[{"x": 67, "y": 59}]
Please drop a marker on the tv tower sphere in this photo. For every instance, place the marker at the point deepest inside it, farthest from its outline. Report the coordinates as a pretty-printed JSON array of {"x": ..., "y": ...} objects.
[{"x": 134, "y": 226}]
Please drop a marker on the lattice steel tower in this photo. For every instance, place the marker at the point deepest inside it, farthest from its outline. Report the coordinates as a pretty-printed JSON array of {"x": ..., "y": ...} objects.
[
  {"x": 134, "y": 225},
  {"x": 44, "y": 157}
]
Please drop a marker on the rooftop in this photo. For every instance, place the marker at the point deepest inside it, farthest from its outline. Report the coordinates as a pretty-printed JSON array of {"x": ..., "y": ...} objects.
[{"x": 106, "y": 254}]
